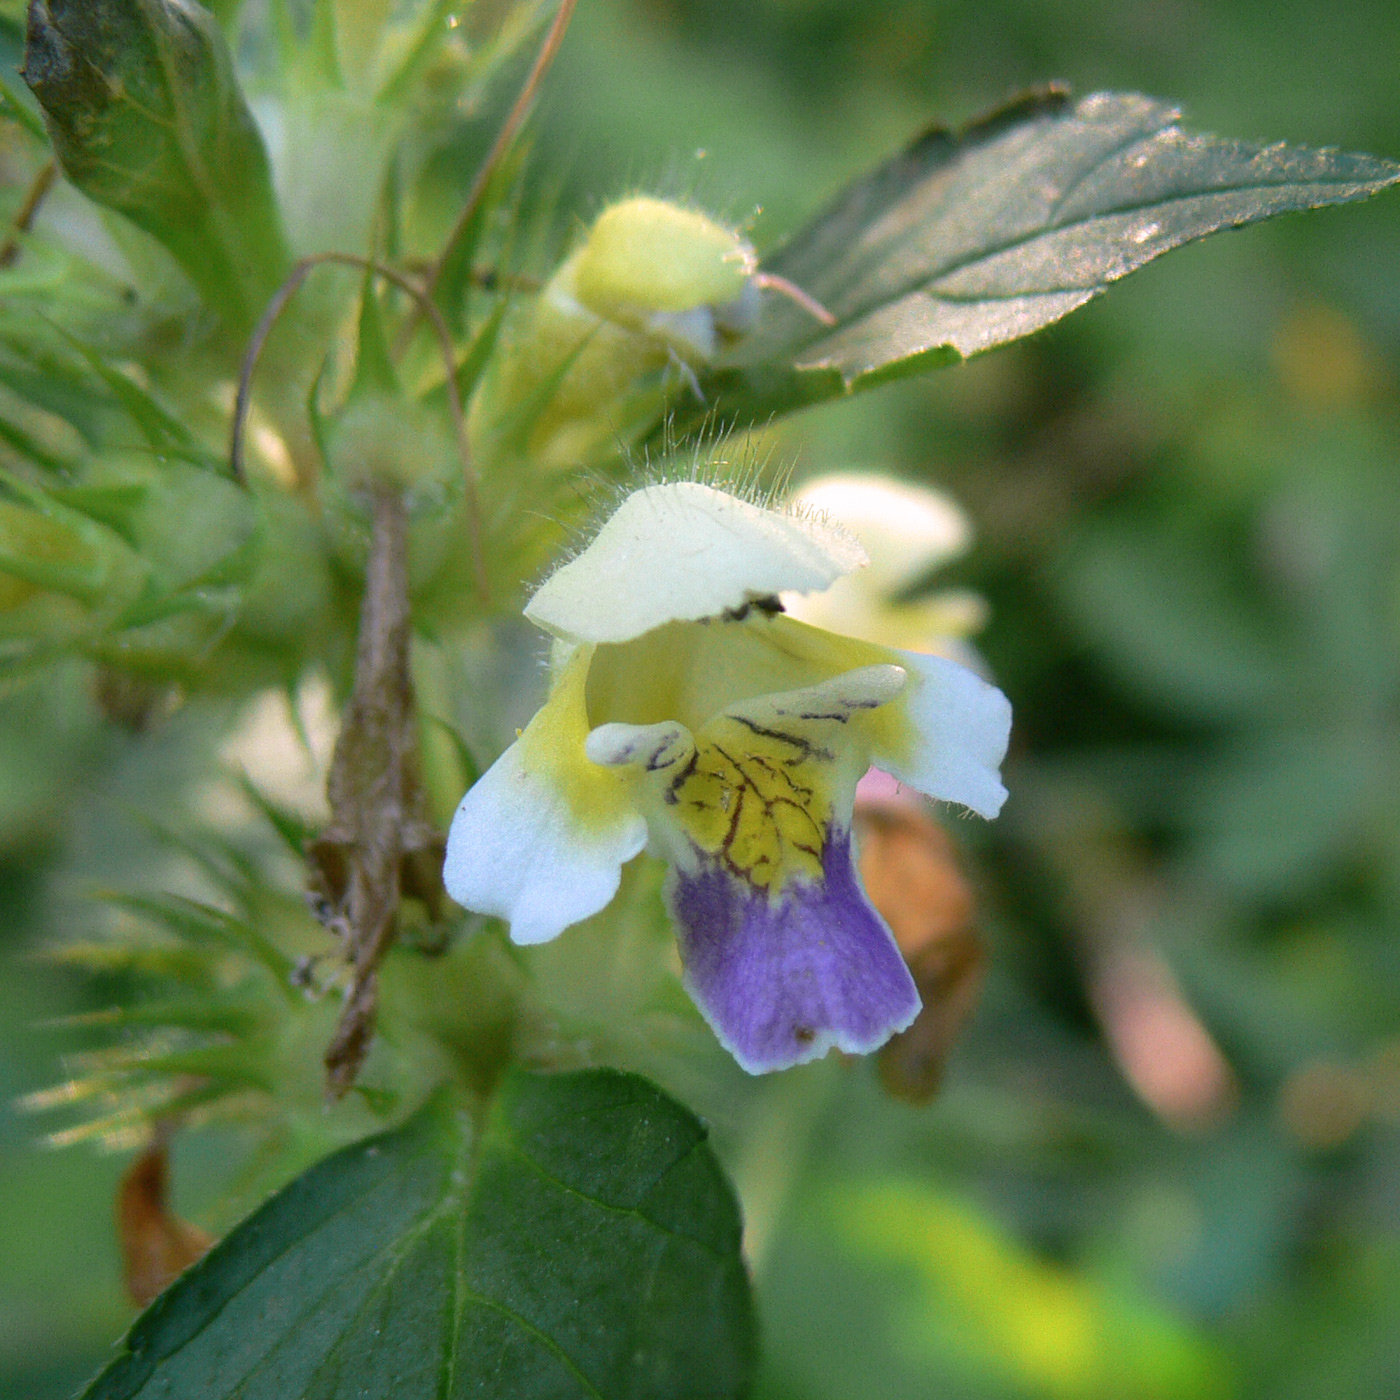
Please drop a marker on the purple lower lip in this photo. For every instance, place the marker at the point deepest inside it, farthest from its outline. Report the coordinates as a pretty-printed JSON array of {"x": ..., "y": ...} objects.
[{"x": 783, "y": 980}]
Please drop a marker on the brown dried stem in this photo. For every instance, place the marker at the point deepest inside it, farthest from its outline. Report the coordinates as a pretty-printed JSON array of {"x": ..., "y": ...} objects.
[{"x": 379, "y": 844}]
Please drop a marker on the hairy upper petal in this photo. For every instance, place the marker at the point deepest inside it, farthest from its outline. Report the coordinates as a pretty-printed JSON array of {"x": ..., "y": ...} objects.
[
  {"x": 906, "y": 529},
  {"x": 684, "y": 551}
]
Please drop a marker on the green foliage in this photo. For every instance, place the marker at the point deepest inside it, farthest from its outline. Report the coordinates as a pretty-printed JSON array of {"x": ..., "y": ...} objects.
[
  {"x": 972, "y": 239},
  {"x": 147, "y": 118},
  {"x": 579, "y": 1241},
  {"x": 1188, "y": 528}
]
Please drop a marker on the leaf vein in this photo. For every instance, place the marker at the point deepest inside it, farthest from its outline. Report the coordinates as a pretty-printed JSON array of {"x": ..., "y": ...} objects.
[
  {"x": 632, "y": 1211},
  {"x": 539, "y": 1335}
]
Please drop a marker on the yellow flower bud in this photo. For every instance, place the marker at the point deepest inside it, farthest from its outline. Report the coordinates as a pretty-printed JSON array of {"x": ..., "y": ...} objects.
[
  {"x": 652, "y": 285},
  {"x": 645, "y": 255}
]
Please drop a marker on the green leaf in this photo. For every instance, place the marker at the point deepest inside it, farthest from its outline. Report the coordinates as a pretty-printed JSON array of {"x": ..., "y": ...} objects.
[
  {"x": 969, "y": 240},
  {"x": 583, "y": 1245},
  {"x": 147, "y": 118}
]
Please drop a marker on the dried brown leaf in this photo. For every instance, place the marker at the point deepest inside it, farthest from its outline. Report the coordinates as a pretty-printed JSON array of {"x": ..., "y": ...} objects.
[
  {"x": 379, "y": 845},
  {"x": 156, "y": 1246},
  {"x": 910, "y": 869}
]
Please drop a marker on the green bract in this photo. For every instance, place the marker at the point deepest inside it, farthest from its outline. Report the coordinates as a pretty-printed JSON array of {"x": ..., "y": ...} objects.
[{"x": 147, "y": 118}]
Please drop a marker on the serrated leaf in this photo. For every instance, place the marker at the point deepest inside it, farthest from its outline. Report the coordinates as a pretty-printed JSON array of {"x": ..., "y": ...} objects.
[
  {"x": 584, "y": 1245},
  {"x": 969, "y": 240}
]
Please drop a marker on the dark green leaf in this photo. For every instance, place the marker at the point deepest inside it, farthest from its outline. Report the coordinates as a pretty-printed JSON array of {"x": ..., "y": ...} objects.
[
  {"x": 585, "y": 1245},
  {"x": 969, "y": 240},
  {"x": 147, "y": 118}
]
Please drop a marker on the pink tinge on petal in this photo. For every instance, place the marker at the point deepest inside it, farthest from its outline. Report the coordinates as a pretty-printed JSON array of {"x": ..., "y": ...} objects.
[{"x": 878, "y": 789}]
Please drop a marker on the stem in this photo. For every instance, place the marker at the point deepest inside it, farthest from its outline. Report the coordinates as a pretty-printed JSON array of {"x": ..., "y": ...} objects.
[
  {"x": 27, "y": 211},
  {"x": 504, "y": 137},
  {"x": 362, "y": 861},
  {"x": 263, "y": 329}
]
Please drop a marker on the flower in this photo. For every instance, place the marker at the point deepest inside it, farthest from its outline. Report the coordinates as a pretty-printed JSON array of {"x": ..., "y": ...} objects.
[
  {"x": 908, "y": 863},
  {"x": 687, "y": 712},
  {"x": 907, "y": 531}
]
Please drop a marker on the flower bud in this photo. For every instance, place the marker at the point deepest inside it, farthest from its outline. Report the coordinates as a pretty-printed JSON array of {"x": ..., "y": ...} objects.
[
  {"x": 653, "y": 285},
  {"x": 646, "y": 263},
  {"x": 147, "y": 118}
]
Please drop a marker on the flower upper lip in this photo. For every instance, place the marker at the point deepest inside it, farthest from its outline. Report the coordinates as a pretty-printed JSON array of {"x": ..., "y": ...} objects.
[{"x": 684, "y": 551}]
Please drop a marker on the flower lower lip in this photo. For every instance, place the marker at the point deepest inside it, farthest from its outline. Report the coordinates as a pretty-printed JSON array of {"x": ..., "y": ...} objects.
[{"x": 784, "y": 979}]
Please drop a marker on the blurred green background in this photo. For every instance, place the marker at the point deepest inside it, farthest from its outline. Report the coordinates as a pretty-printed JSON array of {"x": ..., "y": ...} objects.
[{"x": 1166, "y": 1162}]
